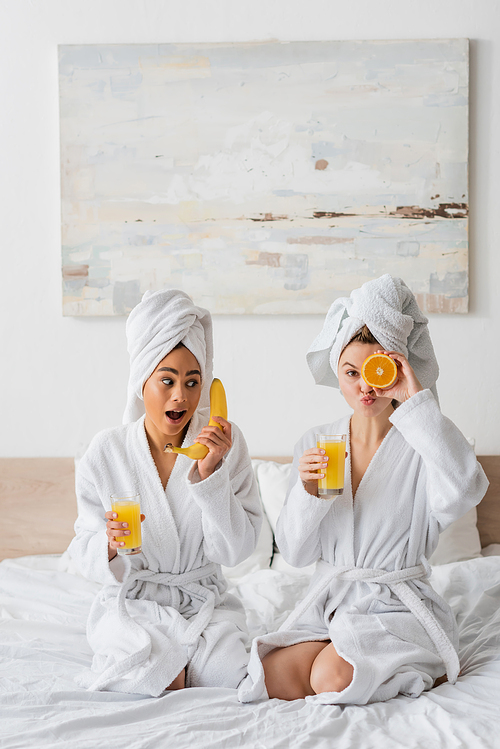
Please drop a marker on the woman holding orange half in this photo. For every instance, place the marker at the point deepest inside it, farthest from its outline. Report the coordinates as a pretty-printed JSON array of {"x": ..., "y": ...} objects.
[{"x": 371, "y": 626}]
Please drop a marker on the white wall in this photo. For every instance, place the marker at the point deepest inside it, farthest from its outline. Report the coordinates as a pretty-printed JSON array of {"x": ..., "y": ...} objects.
[{"x": 63, "y": 379}]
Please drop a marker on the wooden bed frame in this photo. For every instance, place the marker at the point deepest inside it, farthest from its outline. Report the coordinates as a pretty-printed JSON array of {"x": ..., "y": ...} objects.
[{"x": 38, "y": 504}]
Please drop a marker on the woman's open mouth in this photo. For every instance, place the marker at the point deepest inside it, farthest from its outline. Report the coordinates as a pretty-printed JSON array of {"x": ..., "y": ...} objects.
[{"x": 174, "y": 417}]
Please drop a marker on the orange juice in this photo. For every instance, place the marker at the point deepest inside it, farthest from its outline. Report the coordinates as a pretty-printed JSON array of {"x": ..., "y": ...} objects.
[
  {"x": 334, "y": 447},
  {"x": 128, "y": 509}
]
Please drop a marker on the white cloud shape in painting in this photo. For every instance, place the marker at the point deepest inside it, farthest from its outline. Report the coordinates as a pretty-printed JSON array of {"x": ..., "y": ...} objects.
[{"x": 260, "y": 158}]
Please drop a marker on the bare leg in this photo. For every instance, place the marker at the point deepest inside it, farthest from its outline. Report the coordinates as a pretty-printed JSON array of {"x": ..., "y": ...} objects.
[
  {"x": 287, "y": 670},
  {"x": 330, "y": 672},
  {"x": 441, "y": 680},
  {"x": 179, "y": 682}
]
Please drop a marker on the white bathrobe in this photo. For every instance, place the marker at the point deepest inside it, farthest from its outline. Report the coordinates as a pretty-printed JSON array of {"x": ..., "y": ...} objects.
[
  {"x": 370, "y": 594},
  {"x": 172, "y": 610}
]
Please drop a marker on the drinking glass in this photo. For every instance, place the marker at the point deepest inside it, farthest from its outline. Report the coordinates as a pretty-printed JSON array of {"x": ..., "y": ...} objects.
[
  {"x": 333, "y": 482},
  {"x": 127, "y": 506}
]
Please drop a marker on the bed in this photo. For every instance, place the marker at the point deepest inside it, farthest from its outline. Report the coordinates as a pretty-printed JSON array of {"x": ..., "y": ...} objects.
[{"x": 44, "y": 604}]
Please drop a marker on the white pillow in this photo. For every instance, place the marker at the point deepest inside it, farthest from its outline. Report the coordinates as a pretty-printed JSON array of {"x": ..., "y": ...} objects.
[
  {"x": 261, "y": 557},
  {"x": 459, "y": 541},
  {"x": 273, "y": 482}
]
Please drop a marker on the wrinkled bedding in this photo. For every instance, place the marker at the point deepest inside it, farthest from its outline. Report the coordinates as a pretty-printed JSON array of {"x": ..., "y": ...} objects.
[{"x": 43, "y": 609}]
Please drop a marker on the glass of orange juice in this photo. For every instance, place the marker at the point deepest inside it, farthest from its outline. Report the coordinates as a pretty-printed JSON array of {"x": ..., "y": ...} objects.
[
  {"x": 127, "y": 506},
  {"x": 333, "y": 482}
]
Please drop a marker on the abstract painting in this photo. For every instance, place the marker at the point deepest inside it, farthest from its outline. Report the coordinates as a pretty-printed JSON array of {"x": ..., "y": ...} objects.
[{"x": 263, "y": 178}]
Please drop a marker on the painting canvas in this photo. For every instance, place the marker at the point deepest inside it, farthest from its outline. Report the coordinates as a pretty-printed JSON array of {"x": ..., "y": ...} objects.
[{"x": 263, "y": 178}]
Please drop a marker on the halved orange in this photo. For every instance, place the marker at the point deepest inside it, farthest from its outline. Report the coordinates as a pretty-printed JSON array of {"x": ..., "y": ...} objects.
[{"x": 379, "y": 371}]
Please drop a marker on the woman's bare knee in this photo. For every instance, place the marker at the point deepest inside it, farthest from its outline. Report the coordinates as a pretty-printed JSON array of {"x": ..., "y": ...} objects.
[
  {"x": 281, "y": 676},
  {"x": 330, "y": 672},
  {"x": 287, "y": 670}
]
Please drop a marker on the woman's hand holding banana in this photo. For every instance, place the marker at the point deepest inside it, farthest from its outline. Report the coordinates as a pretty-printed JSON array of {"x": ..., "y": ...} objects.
[{"x": 217, "y": 439}]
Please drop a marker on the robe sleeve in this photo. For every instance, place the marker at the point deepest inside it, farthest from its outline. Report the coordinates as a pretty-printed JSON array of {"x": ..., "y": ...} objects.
[
  {"x": 89, "y": 547},
  {"x": 230, "y": 505},
  {"x": 298, "y": 525},
  {"x": 455, "y": 481}
]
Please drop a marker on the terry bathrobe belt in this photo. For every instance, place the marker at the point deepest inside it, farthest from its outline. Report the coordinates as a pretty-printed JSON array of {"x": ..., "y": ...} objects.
[
  {"x": 397, "y": 582},
  {"x": 189, "y": 583}
]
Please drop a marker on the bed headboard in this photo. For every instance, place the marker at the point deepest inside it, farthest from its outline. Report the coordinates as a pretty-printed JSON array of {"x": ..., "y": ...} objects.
[
  {"x": 38, "y": 504},
  {"x": 488, "y": 511}
]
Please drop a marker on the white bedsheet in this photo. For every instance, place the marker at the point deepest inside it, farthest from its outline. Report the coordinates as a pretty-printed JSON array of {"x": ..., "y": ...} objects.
[{"x": 43, "y": 646}]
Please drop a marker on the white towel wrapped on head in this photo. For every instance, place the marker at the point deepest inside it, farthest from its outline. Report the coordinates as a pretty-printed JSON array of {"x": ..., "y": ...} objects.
[
  {"x": 391, "y": 313},
  {"x": 155, "y": 326}
]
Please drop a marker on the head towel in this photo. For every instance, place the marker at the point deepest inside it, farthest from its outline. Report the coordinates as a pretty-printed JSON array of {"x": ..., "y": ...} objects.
[
  {"x": 390, "y": 311},
  {"x": 160, "y": 321}
]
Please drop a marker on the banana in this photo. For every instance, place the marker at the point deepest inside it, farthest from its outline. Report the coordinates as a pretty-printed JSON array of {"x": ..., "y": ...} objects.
[{"x": 218, "y": 407}]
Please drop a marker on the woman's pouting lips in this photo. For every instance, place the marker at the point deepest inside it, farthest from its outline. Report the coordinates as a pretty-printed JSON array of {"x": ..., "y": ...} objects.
[{"x": 368, "y": 401}]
